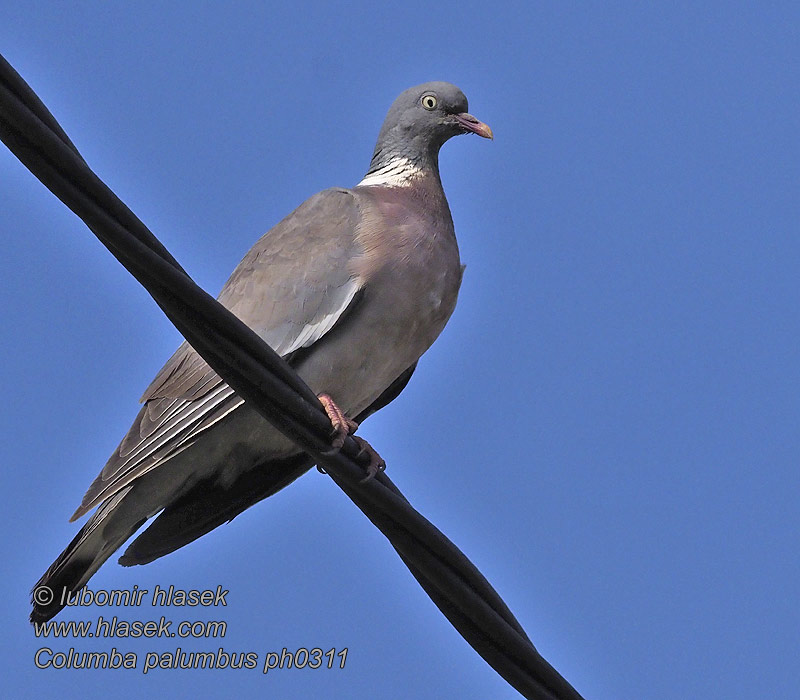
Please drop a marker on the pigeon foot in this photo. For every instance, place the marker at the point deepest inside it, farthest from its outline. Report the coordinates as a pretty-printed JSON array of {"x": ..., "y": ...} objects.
[{"x": 344, "y": 426}]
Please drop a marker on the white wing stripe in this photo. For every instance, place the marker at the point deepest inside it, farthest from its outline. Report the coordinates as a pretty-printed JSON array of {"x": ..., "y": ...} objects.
[{"x": 312, "y": 332}]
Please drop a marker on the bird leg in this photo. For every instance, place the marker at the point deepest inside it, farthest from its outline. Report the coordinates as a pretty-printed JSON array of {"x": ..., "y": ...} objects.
[{"x": 344, "y": 426}]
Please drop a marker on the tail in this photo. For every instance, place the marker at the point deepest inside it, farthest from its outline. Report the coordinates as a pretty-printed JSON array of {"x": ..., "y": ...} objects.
[
  {"x": 103, "y": 534},
  {"x": 189, "y": 514}
]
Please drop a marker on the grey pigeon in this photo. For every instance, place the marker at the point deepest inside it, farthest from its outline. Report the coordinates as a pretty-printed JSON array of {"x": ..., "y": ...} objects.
[{"x": 351, "y": 289}]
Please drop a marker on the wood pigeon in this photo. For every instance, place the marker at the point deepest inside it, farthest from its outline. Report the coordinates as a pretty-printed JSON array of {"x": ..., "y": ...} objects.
[{"x": 351, "y": 289}]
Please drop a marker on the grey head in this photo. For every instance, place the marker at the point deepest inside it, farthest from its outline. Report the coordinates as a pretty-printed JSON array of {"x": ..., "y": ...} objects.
[{"x": 419, "y": 121}]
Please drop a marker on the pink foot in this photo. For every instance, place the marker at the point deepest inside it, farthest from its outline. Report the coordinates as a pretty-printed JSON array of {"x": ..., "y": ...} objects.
[{"x": 344, "y": 426}]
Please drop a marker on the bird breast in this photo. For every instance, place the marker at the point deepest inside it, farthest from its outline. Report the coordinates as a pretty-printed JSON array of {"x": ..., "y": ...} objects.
[{"x": 410, "y": 272}]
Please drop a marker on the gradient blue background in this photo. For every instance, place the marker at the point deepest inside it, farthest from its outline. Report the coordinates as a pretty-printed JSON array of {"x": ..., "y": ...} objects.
[{"x": 610, "y": 424}]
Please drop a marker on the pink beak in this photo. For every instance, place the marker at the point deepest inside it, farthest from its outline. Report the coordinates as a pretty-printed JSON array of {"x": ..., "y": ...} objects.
[{"x": 471, "y": 124}]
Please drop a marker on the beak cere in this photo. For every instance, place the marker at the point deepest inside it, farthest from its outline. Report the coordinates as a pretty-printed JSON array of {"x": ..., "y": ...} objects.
[{"x": 473, "y": 125}]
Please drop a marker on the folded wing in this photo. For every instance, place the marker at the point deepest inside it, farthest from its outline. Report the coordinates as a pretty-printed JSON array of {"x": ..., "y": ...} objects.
[{"x": 292, "y": 287}]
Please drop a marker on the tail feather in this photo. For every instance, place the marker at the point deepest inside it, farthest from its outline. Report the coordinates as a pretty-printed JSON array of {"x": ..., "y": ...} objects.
[
  {"x": 190, "y": 512},
  {"x": 80, "y": 560}
]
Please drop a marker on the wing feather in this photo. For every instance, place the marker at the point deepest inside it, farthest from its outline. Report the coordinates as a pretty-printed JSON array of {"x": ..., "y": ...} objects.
[
  {"x": 292, "y": 288},
  {"x": 207, "y": 505}
]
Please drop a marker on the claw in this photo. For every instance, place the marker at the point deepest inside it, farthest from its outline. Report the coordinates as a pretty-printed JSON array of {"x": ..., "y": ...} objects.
[{"x": 376, "y": 463}]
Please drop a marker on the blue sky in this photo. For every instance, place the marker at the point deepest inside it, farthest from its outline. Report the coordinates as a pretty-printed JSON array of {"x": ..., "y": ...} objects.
[{"x": 610, "y": 424}]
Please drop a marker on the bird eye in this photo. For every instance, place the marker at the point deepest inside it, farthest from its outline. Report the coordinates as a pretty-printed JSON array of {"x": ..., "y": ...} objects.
[{"x": 429, "y": 102}]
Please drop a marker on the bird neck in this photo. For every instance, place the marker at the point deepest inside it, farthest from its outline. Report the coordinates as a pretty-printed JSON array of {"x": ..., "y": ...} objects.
[{"x": 400, "y": 168}]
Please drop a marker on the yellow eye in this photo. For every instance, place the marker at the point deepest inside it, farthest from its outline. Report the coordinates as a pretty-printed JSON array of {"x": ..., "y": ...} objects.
[{"x": 429, "y": 102}]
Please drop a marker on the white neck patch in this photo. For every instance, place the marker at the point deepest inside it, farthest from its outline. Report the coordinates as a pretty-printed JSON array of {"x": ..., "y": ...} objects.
[{"x": 398, "y": 172}]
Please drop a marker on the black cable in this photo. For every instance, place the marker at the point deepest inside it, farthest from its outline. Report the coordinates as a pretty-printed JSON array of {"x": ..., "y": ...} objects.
[{"x": 272, "y": 387}]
